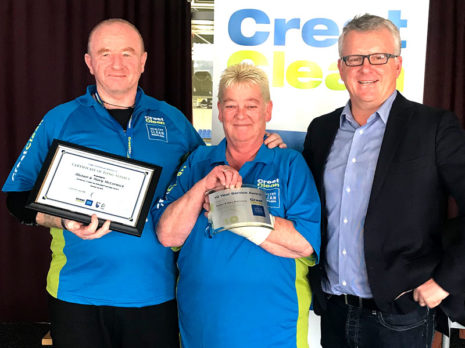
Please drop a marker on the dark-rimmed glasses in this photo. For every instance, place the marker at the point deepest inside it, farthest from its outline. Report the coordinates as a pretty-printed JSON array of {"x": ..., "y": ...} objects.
[{"x": 374, "y": 59}]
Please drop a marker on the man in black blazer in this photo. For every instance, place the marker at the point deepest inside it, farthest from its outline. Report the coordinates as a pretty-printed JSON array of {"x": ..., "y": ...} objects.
[{"x": 384, "y": 167}]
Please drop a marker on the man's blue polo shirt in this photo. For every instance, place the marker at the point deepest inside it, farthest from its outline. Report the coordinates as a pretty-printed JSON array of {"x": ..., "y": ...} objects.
[{"x": 117, "y": 269}]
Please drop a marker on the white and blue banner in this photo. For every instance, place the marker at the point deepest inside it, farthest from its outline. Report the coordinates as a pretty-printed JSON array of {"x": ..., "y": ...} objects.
[{"x": 295, "y": 42}]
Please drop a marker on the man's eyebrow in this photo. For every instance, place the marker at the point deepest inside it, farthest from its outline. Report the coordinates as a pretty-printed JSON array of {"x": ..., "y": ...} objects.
[
  {"x": 253, "y": 100},
  {"x": 103, "y": 50},
  {"x": 247, "y": 100}
]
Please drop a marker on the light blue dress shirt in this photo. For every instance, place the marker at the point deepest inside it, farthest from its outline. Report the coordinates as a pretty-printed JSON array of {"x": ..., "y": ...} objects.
[{"x": 348, "y": 178}]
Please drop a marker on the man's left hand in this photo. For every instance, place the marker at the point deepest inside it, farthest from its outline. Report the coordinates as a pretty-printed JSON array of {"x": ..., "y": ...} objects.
[{"x": 429, "y": 294}]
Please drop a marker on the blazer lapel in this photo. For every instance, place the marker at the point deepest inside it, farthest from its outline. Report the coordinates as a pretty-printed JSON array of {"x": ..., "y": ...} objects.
[
  {"x": 397, "y": 124},
  {"x": 326, "y": 139},
  {"x": 328, "y": 133}
]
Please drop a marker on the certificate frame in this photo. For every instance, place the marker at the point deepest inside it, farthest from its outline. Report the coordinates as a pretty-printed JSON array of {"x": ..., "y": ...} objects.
[{"x": 76, "y": 182}]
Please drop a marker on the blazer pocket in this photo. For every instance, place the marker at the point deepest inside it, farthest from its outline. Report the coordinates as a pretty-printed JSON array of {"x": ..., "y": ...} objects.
[{"x": 404, "y": 302}]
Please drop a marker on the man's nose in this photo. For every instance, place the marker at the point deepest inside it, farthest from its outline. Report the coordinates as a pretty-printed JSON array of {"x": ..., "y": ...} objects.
[
  {"x": 366, "y": 63},
  {"x": 241, "y": 111},
  {"x": 116, "y": 61}
]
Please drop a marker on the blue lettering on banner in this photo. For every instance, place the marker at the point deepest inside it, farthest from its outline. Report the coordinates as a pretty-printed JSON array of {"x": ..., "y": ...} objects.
[
  {"x": 258, "y": 210},
  {"x": 157, "y": 132},
  {"x": 272, "y": 197},
  {"x": 320, "y": 28},
  {"x": 235, "y": 32},
  {"x": 281, "y": 27},
  {"x": 395, "y": 17},
  {"x": 315, "y": 32}
]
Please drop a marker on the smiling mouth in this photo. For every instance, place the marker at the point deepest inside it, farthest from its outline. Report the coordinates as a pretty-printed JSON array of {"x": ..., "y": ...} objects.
[{"x": 367, "y": 82}]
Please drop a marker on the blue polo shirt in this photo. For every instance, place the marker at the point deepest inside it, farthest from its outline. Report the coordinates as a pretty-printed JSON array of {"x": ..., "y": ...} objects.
[
  {"x": 231, "y": 292},
  {"x": 117, "y": 269}
]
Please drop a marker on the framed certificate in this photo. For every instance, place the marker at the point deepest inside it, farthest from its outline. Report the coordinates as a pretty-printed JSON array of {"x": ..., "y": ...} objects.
[{"x": 76, "y": 182}]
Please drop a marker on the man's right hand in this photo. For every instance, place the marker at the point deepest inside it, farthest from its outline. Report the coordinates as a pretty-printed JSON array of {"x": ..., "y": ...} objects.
[
  {"x": 220, "y": 176},
  {"x": 90, "y": 231},
  {"x": 225, "y": 176}
]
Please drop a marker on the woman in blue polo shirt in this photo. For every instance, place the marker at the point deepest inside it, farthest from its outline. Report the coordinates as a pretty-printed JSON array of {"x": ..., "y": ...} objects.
[{"x": 236, "y": 288}]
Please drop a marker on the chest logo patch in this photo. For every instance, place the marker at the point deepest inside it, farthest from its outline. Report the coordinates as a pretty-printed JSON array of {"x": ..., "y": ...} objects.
[
  {"x": 156, "y": 128},
  {"x": 272, "y": 191}
]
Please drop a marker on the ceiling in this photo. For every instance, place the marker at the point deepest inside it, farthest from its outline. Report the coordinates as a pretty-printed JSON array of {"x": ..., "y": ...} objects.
[{"x": 202, "y": 21}]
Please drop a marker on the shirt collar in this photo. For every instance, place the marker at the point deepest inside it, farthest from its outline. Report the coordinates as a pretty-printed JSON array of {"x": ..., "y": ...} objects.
[
  {"x": 264, "y": 154},
  {"x": 92, "y": 89},
  {"x": 218, "y": 154},
  {"x": 382, "y": 112}
]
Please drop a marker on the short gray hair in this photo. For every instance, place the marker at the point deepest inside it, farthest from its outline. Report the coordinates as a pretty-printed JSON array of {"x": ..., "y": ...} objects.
[
  {"x": 369, "y": 22},
  {"x": 244, "y": 73},
  {"x": 111, "y": 21}
]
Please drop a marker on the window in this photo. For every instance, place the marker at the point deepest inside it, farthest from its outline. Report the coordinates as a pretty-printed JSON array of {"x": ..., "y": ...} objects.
[{"x": 202, "y": 69}]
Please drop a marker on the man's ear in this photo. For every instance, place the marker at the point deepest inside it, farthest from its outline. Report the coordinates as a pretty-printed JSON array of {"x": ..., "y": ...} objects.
[
  {"x": 88, "y": 60},
  {"x": 399, "y": 65},
  {"x": 339, "y": 66},
  {"x": 143, "y": 60},
  {"x": 220, "y": 112},
  {"x": 269, "y": 108}
]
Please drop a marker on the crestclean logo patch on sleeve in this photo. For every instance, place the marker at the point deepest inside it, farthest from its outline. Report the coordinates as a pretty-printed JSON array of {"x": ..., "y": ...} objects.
[{"x": 156, "y": 128}]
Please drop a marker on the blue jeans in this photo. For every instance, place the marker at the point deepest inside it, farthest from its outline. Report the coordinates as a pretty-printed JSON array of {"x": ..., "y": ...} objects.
[{"x": 346, "y": 326}]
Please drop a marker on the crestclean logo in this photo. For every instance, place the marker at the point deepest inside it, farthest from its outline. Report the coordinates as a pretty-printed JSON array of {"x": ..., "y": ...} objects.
[
  {"x": 272, "y": 191},
  {"x": 261, "y": 183},
  {"x": 156, "y": 128},
  {"x": 154, "y": 120}
]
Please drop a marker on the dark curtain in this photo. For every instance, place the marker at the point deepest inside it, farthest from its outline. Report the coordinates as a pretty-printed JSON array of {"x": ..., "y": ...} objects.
[
  {"x": 445, "y": 88},
  {"x": 445, "y": 62},
  {"x": 42, "y": 65},
  {"x": 445, "y": 57}
]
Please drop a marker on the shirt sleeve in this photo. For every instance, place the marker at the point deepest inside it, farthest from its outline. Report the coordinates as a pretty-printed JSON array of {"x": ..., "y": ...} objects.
[
  {"x": 450, "y": 158},
  {"x": 27, "y": 167},
  {"x": 16, "y": 204},
  {"x": 180, "y": 184},
  {"x": 193, "y": 138}
]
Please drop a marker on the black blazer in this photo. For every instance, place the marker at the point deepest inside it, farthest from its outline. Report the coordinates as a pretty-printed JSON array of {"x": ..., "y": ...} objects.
[{"x": 421, "y": 163}]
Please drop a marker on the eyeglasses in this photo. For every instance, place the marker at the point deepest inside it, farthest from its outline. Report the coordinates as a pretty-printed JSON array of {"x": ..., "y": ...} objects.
[{"x": 374, "y": 59}]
